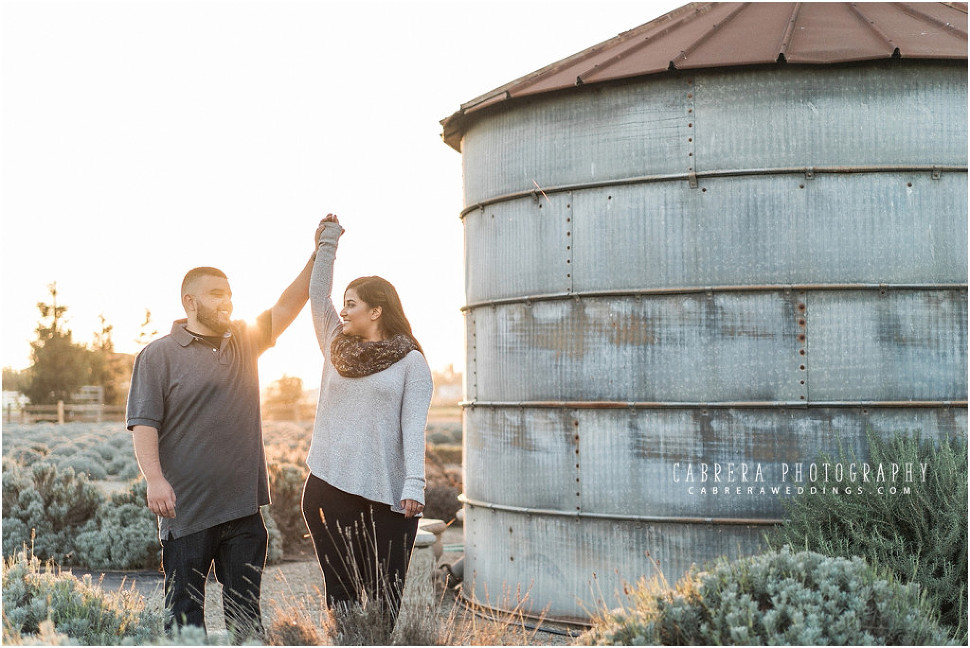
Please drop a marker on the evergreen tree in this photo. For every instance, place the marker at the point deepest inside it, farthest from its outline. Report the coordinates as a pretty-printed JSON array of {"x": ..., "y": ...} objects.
[
  {"x": 109, "y": 369},
  {"x": 59, "y": 366},
  {"x": 13, "y": 380},
  {"x": 288, "y": 390},
  {"x": 282, "y": 398}
]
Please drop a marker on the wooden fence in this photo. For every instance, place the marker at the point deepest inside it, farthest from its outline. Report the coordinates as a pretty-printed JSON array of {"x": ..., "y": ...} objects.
[
  {"x": 68, "y": 412},
  {"x": 64, "y": 413}
]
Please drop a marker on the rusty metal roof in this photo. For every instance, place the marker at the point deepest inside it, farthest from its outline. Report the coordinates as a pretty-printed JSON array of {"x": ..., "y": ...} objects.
[{"x": 726, "y": 34}]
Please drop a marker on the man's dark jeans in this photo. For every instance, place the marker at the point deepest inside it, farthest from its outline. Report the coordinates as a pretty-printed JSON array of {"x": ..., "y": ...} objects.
[{"x": 238, "y": 548}]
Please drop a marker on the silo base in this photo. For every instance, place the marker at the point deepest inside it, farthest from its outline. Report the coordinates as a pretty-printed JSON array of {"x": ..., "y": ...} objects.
[{"x": 568, "y": 568}]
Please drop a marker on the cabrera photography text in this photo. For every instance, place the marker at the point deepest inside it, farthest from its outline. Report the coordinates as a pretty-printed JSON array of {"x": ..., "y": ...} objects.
[{"x": 837, "y": 478}]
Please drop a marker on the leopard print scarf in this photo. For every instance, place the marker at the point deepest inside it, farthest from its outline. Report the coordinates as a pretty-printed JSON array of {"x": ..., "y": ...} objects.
[{"x": 354, "y": 358}]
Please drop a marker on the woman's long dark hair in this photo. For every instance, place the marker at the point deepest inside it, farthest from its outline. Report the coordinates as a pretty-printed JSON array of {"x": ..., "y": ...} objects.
[{"x": 377, "y": 291}]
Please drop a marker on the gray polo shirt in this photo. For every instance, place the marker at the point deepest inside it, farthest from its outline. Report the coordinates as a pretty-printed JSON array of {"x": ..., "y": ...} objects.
[{"x": 204, "y": 402}]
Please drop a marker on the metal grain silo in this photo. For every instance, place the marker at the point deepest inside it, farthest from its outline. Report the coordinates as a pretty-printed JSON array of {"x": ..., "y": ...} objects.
[{"x": 697, "y": 256}]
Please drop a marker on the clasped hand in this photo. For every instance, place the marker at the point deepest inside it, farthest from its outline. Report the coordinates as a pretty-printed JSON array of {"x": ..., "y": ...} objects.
[{"x": 329, "y": 218}]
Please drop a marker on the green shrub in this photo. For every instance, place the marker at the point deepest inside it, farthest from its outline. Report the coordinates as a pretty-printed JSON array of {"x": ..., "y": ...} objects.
[
  {"x": 84, "y": 463},
  {"x": 442, "y": 487},
  {"x": 274, "y": 544},
  {"x": 443, "y": 432},
  {"x": 106, "y": 450},
  {"x": 439, "y": 438},
  {"x": 123, "y": 467},
  {"x": 34, "y": 594},
  {"x": 287, "y": 442},
  {"x": 441, "y": 501},
  {"x": 447, "y": 453},
  {"x": 920, "y": 536},
  {"x": 286, "y": 490},
  {"x": 27, "y": 455},
  {"x": 47, "y": 635},
  {"x": 46, "y": 508},
  {"x": 122, "y": 535},
  {"x": 777, "y": 598},
  {"x": 64, "y": 448},
  {"x": 117, "y": 454},
  {"x": 64, "y": 517}
]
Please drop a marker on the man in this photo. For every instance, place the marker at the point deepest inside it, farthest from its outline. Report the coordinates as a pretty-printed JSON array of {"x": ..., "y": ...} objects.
[{"x": 193, "y": 409}]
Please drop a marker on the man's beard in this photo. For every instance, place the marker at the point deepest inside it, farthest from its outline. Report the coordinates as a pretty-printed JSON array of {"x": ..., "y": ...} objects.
[{"x": 209, "y": 317}]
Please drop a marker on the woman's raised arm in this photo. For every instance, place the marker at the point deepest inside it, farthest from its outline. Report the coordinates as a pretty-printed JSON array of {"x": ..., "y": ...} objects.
[{"x": 326, "y": 321}]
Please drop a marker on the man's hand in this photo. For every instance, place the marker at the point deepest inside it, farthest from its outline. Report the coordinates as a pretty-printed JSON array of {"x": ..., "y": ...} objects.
[
  {"x": 329, "y": 218},
  {"x": 161, "y": 498},
  {"x": 411, "y": 507}
]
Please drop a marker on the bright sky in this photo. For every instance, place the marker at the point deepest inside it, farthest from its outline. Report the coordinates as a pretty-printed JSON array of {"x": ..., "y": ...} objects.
[{"x": 143, "y": 138}]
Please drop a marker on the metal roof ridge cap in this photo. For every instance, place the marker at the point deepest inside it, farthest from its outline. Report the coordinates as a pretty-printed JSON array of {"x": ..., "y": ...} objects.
[
  {"x": 959, "y": 6},
  {"x": 572, "y": 59},
  {"x": 648, "y": 40},
  {"x": 909, "y": 9},
  {"x": 789, "y": 34},
  {"x": 717, "y": 27},
  {"x": 688, "y": 11},
  {"x": 556, "y": 67},
  {"x": 871, "y": 24}
]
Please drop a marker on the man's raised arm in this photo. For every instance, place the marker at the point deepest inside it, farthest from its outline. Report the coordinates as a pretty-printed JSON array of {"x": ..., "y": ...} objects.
[{"x": 292, "y": 301}]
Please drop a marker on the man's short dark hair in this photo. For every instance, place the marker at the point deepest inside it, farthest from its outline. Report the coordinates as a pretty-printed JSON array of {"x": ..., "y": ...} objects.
[{"x": 197, "y": 273}]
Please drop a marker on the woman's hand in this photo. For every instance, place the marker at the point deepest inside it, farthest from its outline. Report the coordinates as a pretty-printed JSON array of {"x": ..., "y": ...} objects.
[
  {"x": 329, "y": 218},
  {"x": 411, "y": 507}
]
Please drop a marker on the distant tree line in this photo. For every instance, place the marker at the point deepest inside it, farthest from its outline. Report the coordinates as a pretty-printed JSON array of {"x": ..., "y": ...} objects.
[{"x": 60, "y": 366}]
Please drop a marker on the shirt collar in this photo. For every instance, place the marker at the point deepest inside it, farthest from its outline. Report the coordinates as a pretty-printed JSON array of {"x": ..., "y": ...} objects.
[{"x": 181, "y": 333}]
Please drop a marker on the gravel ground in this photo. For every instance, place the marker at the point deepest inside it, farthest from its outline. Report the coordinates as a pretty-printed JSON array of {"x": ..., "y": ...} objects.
[{"x": 296, "y": 584}]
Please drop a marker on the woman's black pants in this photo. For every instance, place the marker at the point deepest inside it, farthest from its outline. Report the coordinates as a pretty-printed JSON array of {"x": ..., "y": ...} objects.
[{"x": 363, "y": 546}]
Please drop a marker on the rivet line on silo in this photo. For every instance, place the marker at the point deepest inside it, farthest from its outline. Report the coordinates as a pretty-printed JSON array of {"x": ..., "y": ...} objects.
[
  {"x": 576, "y": 443},
  {"x": 691, "y": 173},
  {"x": 802, "y": 337},
  {"x": 474, "y": 356},
  {"x": 569, "y": 246}
]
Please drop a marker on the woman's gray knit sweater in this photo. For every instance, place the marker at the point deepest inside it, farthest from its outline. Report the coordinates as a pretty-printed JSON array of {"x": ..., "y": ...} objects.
[{"x": 368, "y": 438}]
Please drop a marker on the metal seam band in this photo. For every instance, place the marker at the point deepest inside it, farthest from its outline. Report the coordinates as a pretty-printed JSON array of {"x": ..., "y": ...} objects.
[
  {"x": 727, "y": 173},
  {"x": 929, "y": 404},
  {"x": 663, "y": 519},
  {"x": 689, "y": 290}
]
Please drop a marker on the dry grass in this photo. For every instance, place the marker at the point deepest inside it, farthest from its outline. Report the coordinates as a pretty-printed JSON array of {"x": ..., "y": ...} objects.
[
  {"x": 471, "y": 624},
  {"x": 430, "y": 616},
  {"x": 295, "y": 615},
  {"x": 446, "y": 622}
]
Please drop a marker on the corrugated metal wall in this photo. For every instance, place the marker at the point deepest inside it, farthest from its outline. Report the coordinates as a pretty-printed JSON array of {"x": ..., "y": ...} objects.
[{"x": 727, "y": 268}]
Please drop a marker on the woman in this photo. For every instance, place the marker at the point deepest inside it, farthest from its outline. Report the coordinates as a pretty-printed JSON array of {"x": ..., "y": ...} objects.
[{"x": 365, "y": 491}]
